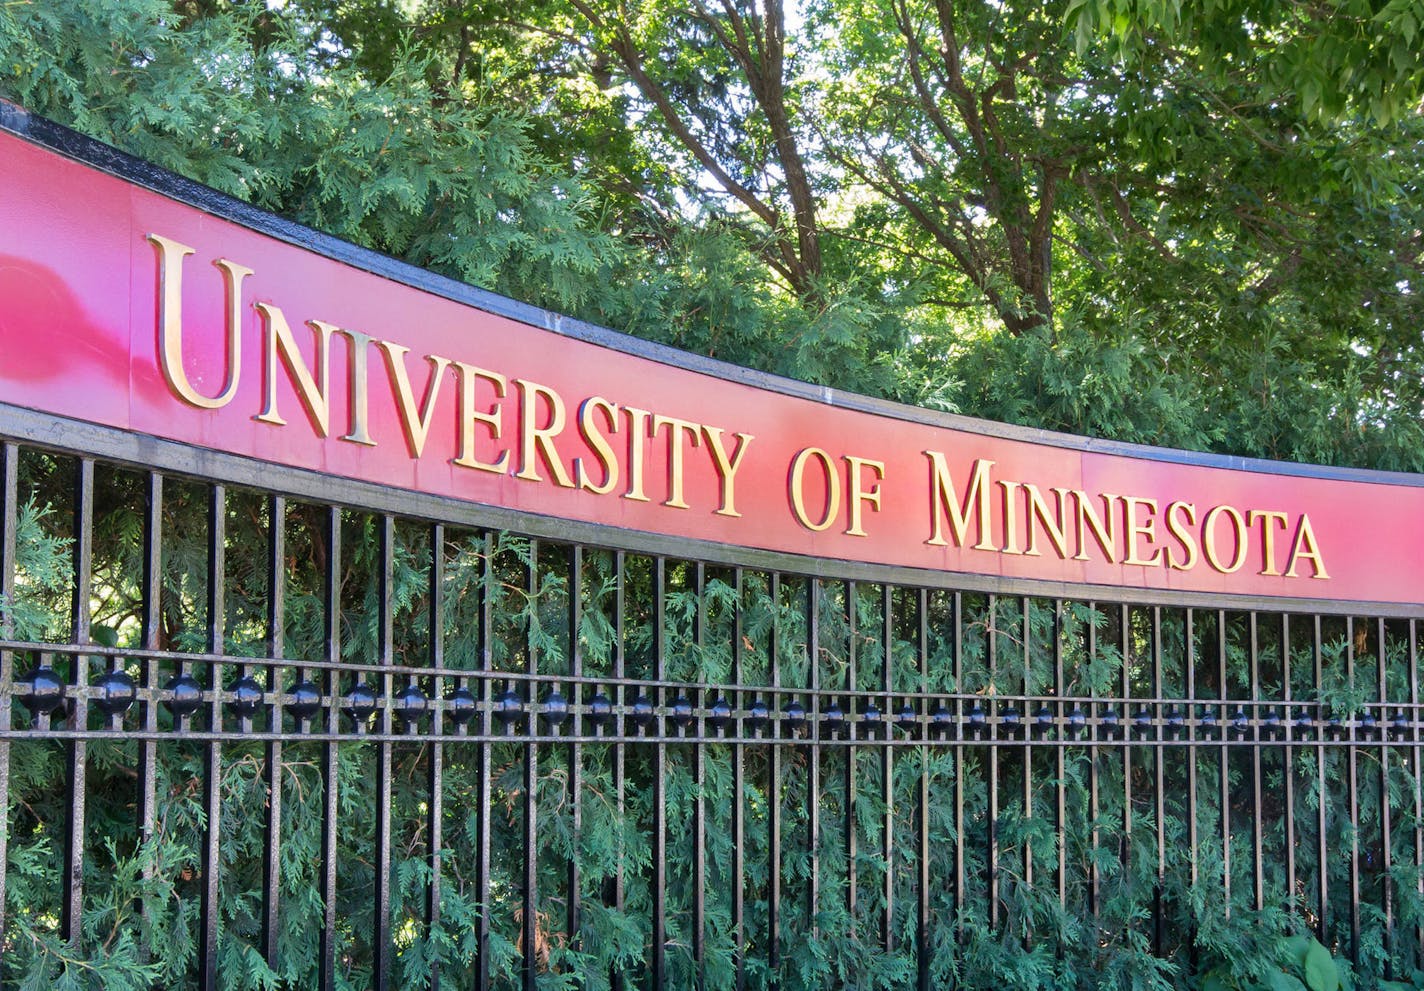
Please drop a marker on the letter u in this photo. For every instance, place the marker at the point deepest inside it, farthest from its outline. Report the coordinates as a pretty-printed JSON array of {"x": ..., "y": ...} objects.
[{"x": 170, "y": 322}]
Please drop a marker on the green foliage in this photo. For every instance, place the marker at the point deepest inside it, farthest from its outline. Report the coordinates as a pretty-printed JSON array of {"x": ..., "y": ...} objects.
[
  {"x": 44, "y": 581},
  {"x": 1292, "y": 963},
  {"x": 1336, "y": 56},
  {"x": 1193, "y": 227},
  {"x": 140, "y": 920},
  {"x": 1139, "y": 235},
  {"x": 233, "y": 100}
]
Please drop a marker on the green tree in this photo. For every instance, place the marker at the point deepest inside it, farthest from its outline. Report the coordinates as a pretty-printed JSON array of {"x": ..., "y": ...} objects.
[{"x": 1139, "y": 226}]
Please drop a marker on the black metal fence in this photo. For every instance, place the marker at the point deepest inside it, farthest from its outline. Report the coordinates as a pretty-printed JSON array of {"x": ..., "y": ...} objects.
[{"x": 339, "y": 737}]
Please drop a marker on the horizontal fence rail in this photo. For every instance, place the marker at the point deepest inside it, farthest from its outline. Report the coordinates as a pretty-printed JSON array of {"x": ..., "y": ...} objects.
[{"x": 251, "y": 739}]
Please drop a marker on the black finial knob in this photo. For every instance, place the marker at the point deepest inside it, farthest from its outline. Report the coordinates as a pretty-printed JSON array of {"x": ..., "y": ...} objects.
[
  {"x": 116, "y": 692},
  {"x": 680, "y": 712},
  {"x": 600, "y": 710},
  {"x": 460, "y": 706},
  {"x": 758, "y": 714},
  {"x": 556, "y": 708},
  {"x": 46, "y": 691},
  {"x": 508, "y": 706},
  {"x": 1240, "y": 723},
  {"x": 1142, "y": 722},
  {"x": 185, "y": 695},
  {"x": 1109, "y": 725},
  {"x": 303, "y": 700},
  {"x": 246, "y": 696},
  {"x": 640, "y": 713},
  {"x": 719, "y": 713},
  {"x": 1399, "y": 725},
  {"x": 411, "y": 705},
  {"x": 361, "y": 702}
]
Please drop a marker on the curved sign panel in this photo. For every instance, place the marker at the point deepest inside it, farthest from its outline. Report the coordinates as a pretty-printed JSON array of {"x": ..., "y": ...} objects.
[{"x": 128, "y": 308}]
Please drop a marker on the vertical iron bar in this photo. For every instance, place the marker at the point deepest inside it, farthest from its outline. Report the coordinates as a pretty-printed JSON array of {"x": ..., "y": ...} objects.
[
  {"x": 699, "y": 785},
  {"x": 620, "y": 700},
  {"x": 1125, "y": 725},
  {"x": 1417, "y": 766},
  {"x": 9, "y": 513},
  {"x": 957, "y": 666},
  {"x": 1224, "y": 768},
  {"x": 848, "y": 811},
  {"x": 773, "y": 801},
  {"x": 991, "y": 651},
  {"x": 739, "y": 937},
  {"x": 435, "y": 812},
  {"x": 813, "y": 771},
  {"x": 1288, "y": 769},
  {"x": 212, "y": 780},
  {"x": 887, "y": 770},
  {"x": 1352, "y": 771},
  {"x": 1258, "y": 876},
  {"x": 276, "y": 648},
  {"x": 529, "y": 938},
  {"x": 922, "y": 915},
  {"x": 76, "y": 750},
  {"x": 1192, "y": 737},
  {"x": 1095, "y": 877},
  {"x": 1060, "y": 809},
  {"x": 1193, "y": 728},
  {"x": 386, "y": 647},
  {"x": 1159, "y": 783},
  {"x": 659, "y": 920},
  {"x": 1386, "y": 819},
  {"x": 331, "y": 756},
  {"x": 574, "y": 789},
  {"x": 1026, "y": 725},
  {"x": 1321, "y": 850},
  {"x": 150, "y": 631},
  {"x": 485, "y": 633}
]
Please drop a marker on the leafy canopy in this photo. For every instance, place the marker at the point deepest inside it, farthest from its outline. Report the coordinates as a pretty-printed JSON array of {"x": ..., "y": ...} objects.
[{"x": 1191, "y": 224}]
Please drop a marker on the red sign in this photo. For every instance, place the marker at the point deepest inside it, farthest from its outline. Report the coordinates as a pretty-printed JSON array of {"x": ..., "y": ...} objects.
[{"x": 127, "y": 308}]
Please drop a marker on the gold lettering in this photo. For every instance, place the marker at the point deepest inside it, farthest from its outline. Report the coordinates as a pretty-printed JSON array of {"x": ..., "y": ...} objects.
[
  {"x": 536, "y": 441},
  {"x": 1182, "y": 535},
  {"x": 170, "y": 323},
  {"x": 359, "y": 388},
  {"x": 588, "y": 429},
  {"x": 726, "y": 469},
  {"x": 859, "y": 494},
  {"x": 833, "y": 488},
  {"x": 1305, "y": 546},
  {"x": 637, "y": 446},
  {"x": 1038, "y": 510},
  {"x": 943, "y": 496},
  {"x": 415, "y": 424},
  {"x": 1104, "y": 527},
  {"x": 1011, "y": 517},
  {"x": 1135, "y": 530},
  {"x": 492, "y": 418},
  {"x": 1268, "y": 536},
  {"x": 1238, "y": 524},
  {"x": 314, "y": 393},
  {"x": 680, "y": 429}
]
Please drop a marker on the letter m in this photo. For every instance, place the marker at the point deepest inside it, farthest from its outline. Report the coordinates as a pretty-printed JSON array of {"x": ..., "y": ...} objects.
[{"x": 945, "y": 501}]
